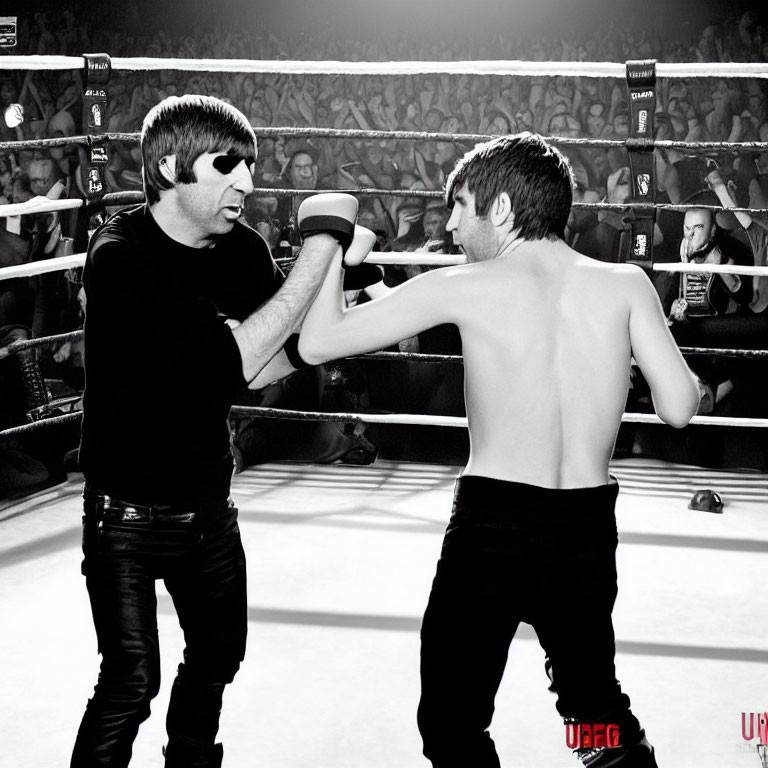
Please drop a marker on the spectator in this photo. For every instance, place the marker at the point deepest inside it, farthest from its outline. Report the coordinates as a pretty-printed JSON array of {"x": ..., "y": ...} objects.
[
  {"x": 705, "y": 312},
  {"x": 300, "y": 172}
]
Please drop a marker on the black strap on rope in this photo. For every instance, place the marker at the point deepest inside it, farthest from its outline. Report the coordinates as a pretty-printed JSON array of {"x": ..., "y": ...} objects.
[
  {"x": 641, "y": 85},
  {"x": 98, "y": 68}
]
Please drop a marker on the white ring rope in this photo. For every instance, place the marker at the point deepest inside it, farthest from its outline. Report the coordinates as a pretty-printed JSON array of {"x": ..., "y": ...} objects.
[
  {"x": 498, "y": 67},
  {"x": 722, "y": 269},
  {"x": 413, "y": 419},
  {"x": 57, "y": 264},
  {"x": 39, "y": 204},
  {"x": 408, "y": 258},
  {"x": 419, "y": 258}
]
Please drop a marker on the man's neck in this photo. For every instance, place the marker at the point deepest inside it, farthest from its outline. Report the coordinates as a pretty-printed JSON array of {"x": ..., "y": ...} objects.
[{"x": 171, "y": 219}]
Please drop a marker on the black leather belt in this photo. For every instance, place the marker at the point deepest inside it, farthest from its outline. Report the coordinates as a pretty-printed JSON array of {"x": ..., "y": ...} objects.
[{"x": 119, "y": 510}]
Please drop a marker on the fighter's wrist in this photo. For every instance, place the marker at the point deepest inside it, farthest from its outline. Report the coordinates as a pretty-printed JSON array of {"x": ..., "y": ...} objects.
[
  {"x": 291, "y": 349},
  {"x": 322, "y": 238}
]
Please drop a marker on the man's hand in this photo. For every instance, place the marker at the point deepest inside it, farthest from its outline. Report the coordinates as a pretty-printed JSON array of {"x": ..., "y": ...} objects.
[
  {"x": 685, "y": 250},
  {"x": 713, "y": 178},
  {"x": 679, "y": 310}
]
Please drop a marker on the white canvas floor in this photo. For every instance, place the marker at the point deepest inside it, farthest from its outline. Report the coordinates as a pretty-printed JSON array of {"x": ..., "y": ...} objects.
[{"x": 340, "y": 563}]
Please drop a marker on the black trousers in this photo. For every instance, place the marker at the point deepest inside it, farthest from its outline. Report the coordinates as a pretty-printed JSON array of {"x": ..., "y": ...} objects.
[
  {"x": 514, "y": 552},
  {"x": 198, "y": 553}
]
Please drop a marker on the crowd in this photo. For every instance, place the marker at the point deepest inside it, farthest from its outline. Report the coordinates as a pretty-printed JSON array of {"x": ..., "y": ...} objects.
[{"x": 694, "y": 109}]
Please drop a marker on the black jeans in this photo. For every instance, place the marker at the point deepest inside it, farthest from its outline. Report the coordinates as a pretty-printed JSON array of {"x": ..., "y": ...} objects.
[
  {"x": 514, "y": 552},
  {"x": 197, "y": 551}
]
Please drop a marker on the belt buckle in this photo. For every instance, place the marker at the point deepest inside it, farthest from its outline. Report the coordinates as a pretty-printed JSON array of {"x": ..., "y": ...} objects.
[
  {"x": 130, "y": 515},
  {"x": 127, "y": 513}
]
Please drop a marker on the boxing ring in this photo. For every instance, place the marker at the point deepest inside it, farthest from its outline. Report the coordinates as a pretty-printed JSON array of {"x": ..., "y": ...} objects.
[{"x": 341, "y": 558}]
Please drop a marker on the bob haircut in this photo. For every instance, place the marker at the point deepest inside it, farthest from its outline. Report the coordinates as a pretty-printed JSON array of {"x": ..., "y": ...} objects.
[
  {"x": 190, "y": 126},
  {"x": 535, "y": 175}
]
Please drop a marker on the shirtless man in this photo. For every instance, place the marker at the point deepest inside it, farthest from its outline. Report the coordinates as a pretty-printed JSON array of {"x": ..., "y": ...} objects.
[{"x": 548, "y": 336}]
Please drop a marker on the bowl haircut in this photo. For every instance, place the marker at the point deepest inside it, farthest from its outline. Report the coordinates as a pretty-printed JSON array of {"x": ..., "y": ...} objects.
[{"x": 190, "y": 126}]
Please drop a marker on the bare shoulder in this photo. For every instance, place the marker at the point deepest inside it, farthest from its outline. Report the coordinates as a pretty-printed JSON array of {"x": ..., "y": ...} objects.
[
  {"x": 627, "y": 277},
  {"x": 444, "y": 279}
]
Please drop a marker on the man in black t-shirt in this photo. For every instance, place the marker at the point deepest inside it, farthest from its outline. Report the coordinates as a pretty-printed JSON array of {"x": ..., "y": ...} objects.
[{"x": 185, "y": 306}]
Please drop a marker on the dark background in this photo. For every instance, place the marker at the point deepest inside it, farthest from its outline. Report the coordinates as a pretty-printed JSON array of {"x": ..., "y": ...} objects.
[{"x": 374, "y": 19}]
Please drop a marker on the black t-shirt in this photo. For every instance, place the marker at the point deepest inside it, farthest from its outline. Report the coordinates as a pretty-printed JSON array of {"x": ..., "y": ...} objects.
[{"x": 161, "y": 365}]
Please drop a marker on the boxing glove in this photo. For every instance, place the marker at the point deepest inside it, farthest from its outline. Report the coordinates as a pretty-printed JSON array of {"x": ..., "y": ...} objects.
[
  {"x": 362, "y": 276},
  {"x": 332, "y": 213},
  {"x": 360, "y": 247}
]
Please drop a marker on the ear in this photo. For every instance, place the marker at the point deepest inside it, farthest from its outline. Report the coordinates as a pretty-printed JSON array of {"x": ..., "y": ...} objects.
[
  {"x": 167, "y": 167},
  {"x": 501, "y": 210}
]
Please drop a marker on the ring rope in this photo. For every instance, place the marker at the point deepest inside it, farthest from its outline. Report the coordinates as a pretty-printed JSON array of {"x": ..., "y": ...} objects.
[
  {"x": 40, "y": 341},
  {"x": 428, "y": 357},
  {"x": 718, "y": 269},
  {"x": 408, "y": 258},
  {"x": 366, "y": 191},
  {"x": 491, "y": 67},
  {"x": 59, "y": 141},
  {"x": 39, "y": 204},
  {"x": 50, "y": 421},
  {"x": 42, "y": 204},
  {"x": 32, "y": 268},
  {"x": 357, "y": 133},
  {"x": 408, "y": 419}
]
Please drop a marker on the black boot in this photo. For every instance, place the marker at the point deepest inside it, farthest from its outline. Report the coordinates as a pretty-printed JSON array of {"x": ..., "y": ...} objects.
[
  {"x": 639, "y": 755},
  {"x": 186, "y": 754}
]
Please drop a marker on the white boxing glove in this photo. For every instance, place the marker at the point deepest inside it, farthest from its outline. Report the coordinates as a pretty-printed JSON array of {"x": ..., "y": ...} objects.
[{"x": 361, "y": 245}]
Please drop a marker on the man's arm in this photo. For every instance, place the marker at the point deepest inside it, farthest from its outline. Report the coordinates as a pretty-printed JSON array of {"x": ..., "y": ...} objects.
[
  {"x": 327, "y": 223},
  {"x": 262, "y": 334},
  {"x": 330, "y": 331},
  {"x": 674, "y": 388},
  {"x": 720, "y": 188}
]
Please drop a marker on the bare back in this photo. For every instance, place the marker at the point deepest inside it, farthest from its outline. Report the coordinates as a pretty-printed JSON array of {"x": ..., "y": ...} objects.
[
  {"x": 548, "y": 337},
  {"x": 547, "y": 362}
]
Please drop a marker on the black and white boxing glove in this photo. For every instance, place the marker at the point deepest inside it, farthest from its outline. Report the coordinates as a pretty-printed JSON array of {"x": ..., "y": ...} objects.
[
  {"x": 360, "y": 246},
  {"x": 358, "y": 274},
  {"x": 330, "y": 213}
]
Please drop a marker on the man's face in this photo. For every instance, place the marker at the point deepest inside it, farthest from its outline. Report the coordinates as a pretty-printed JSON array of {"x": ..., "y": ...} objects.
[
  {"x": 433, "y": 120},
  {"x": 564, "y": 125},
  {"x": 434, "y": 220},
  {"x": 472, "y": 233},
  {"x": 697, "y": 230},
  {"x": 757, "y": 103},
  {"x": 596, "y": 120},
  {"x": 303, "y": 171},
  {"x": 720, "y": 94},
  {"x": 212, "y": 204},
  {"x": 621, "y": 126},
  {"x": 41, "y": 176}
]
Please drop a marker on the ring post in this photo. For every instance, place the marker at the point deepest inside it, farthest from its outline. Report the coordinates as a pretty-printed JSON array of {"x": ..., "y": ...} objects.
[
  {"x": 641, "y": 86},
  {"x": 98, "y": 68}
]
